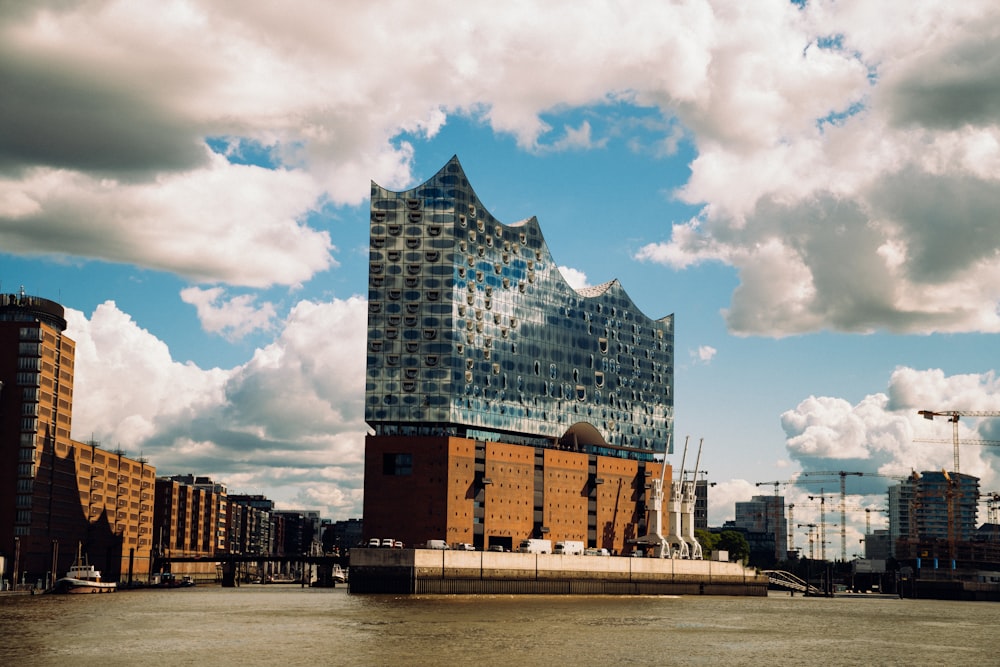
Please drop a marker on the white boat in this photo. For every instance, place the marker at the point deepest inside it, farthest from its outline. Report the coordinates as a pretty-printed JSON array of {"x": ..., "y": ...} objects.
[{"x": 83, "y": 578}]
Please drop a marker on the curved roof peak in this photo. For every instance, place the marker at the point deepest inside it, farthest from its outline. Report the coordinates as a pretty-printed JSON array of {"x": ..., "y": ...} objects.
[{"x": 596, "y": 290}]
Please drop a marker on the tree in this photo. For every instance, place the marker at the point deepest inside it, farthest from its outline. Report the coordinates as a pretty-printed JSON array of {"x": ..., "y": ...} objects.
[
  {"x": 709, "y": 541},
  {"x": 736, "y": 544}
]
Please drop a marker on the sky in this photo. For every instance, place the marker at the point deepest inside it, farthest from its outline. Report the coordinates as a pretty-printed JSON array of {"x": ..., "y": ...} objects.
[{"x": 811, "y": 188}]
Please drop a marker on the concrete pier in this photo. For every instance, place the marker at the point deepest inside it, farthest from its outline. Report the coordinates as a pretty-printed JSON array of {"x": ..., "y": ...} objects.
[{"x": 426, "y": 571}]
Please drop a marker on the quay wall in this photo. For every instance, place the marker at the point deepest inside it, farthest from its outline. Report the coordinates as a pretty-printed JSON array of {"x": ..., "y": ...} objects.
[{"x": 445, "y": 571}]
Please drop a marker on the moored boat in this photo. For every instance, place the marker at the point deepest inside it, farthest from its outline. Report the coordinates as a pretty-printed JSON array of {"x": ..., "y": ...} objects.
[{"x": 83, "y": 577}]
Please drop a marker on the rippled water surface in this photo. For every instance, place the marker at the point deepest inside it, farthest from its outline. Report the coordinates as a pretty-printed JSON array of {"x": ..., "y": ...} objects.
[{"x": 288, "y": 625}]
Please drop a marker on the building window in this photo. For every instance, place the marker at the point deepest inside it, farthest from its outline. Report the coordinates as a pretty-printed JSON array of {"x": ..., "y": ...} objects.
[{"x": 397, "y": 464}]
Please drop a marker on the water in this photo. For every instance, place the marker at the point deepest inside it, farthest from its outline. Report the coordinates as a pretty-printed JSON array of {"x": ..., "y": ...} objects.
[{"x": 288, "y": 625}]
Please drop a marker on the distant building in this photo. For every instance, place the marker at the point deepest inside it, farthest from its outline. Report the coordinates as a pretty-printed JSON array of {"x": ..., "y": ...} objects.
[
  {"x": 762, "y": 520},
  {"x": 251, "y": 528},
  {"x": 188, "y": 521},
  {"x": 934, "y": 505},
  {"x": 504, "y": 403},
  {"x": 59, "y": 496},
  {"x": 220, "y": 494},
  {"x": 301, "y": 531},
  {"x": 189, "y": 517},
  {"x": 342, "y": 535},
  {"x": 701, "y": 504},
  {"x": 878, "y": 545}
]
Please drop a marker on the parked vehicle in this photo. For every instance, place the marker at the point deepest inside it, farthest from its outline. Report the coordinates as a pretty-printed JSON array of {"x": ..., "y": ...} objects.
[
  {"x": 464, "y": 546},
  {"x": 374, "y": 543},
  {"x": 569, "y": 548},
  {"x": 388, "y": 543},
  {"x": 497, "y": 547},
  {"x": 596, "y": 552},
  {"x": 533, "y": 546},
  {"x": 436, "y": 544}
]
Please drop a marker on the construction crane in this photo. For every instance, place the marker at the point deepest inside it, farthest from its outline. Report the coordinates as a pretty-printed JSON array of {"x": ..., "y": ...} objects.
[
  {"x": 992, "y": 500},
  {"x": 809, "y": 476},
  {"x": 952, "y": 416},
  {"x": 812, "y": 530},
  {"x": 843, "y": 501},
  {"x": 951, "y": 491},
  {"x": 822, "y": 521},
  {"x": 791, "y": 529},
  {"x": 777, "y": 518}
]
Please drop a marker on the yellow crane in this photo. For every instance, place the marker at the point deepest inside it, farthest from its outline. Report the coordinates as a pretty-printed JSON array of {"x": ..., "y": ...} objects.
[{"x": 952, "y": 416}]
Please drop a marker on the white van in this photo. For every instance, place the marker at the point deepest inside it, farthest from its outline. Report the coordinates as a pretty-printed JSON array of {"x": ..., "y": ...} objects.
[
  {"x": 569, "y": 548},
  {"x": 436, "y": 544}
]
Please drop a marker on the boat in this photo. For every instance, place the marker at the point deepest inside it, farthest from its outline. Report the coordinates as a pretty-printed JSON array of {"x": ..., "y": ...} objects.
[
  {"x": 169, "y": 580},
  {"x": 83, "y": 577}
]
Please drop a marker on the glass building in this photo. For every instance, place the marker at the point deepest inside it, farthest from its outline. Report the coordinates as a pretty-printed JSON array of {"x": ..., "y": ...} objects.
[{"x": 473, "y": 332}]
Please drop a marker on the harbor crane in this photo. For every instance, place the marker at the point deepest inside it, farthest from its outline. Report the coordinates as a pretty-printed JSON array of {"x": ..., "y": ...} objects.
[
  {"x": 688, "y": 499},
  {"x": 952, "y": 416},
  {"x": 680, "y": 541}
]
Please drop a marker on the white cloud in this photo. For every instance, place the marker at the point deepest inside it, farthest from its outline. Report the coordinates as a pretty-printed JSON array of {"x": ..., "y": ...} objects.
[
  {"x": 882, "y": 433},
  {"x": 880, "y": 436},
  {"x": 220, "y": 222},
  {"x": 704, "y": 353},
  {"x": 577, "y": 138},
  {"x": 234, "y": 318},
  {"x": 574, "y": 277},
  {"x": 288, "y": 422},
  {"x": 722, "y": 499},
  {"x": 820, "y": 134}
]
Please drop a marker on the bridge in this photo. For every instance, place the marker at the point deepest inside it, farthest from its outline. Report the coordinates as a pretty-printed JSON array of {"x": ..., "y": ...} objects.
[
  {"x": 789, "y": 581},
  {"x": 230, "y": 563}
]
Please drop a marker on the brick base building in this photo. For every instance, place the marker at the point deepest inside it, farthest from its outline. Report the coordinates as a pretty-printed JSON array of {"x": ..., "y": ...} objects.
[{"x": 496, "y": 494}]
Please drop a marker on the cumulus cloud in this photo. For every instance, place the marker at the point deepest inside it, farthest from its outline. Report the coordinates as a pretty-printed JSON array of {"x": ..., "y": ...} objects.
[
  {"x": 704, "y": 354},
  {"x": 722, "y": 499},
  {"x": 883, "y": 433},
  {"x": 819, "y": 136},
  {"x": 127, "y": 384},
  {"x": 883, "y": 437},
  {"x": 233, "y": 318},
  {"x": 288, "y": 422},
  {"x": 574, "y": 277},
  {"x": 221, "y": 222},
  {"x": 577, "y": 138}
]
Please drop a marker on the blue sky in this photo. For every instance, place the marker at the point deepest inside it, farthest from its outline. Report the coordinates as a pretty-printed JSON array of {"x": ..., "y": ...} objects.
[{"x": 811, "y": 188}]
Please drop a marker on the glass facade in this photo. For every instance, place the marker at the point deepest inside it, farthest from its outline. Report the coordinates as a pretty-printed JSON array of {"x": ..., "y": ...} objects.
[{"x": 473, "y": 332}]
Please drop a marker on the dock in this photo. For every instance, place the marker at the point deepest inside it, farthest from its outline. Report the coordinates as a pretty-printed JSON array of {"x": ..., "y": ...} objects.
[{"x": 430, "y": 571}]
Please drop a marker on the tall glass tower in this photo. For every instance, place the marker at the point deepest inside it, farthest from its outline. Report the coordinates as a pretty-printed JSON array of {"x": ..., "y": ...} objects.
[{"x": 473, "y": 332}]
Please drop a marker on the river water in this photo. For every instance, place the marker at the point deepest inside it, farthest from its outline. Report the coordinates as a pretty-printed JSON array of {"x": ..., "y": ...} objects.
[{"x": 288, "y": 625}]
